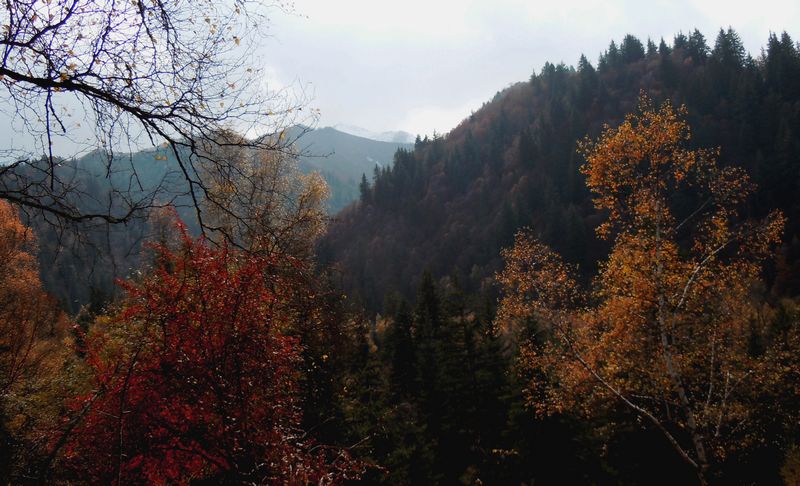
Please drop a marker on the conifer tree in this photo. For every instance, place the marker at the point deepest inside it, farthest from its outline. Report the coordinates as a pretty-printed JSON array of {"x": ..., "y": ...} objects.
[{"x": 364, "y": 190}]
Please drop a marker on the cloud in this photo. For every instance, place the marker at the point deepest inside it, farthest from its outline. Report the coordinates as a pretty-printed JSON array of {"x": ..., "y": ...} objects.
[
  {"x": 381, "y": 21},
  {"x": 425, "y": 120},
  {"x": 419, "y": 65}
]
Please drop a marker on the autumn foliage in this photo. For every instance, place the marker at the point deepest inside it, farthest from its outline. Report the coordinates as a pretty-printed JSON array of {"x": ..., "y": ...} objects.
[
  {"x": 196, "y": 378},
  {"x": 27, "y": 314},
  {"x": 667, "y": 330},
  {"x": 31, "y": 351}
]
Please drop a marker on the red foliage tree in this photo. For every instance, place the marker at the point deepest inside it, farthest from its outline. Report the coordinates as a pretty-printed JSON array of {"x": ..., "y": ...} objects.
[{"x": 195, "y": 378}]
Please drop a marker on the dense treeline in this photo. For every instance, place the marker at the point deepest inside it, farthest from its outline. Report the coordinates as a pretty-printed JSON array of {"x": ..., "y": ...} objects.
[
  {"x": 433, "y": 393},
  {"x": 452, "y": 203},
  {"x": 432, "y": 398}
]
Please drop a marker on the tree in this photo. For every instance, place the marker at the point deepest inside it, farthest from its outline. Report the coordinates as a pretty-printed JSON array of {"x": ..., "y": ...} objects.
[
  {"x": 612, "y": 55},
  {"x": 428, "y": 333},
  {"x": 25, "y": 311},
  {"x": 652, "y": 49},
  {"x": 663, "y": 49},
  {"x": 262, "y": 203},
  {"x": 782, "y": 64},
  {"x": 363, "y": 190},
  {"x": 666, "y": 332},
  {"x": 697, "y": 46},
  {"x": 31, "y": 354},
  {"x": 631, "y": 49},
  {"x": 400, "y": 344},
  {"x": 727, "y": 61},
  {"x": 729, "y": 50},
  {"x": 130, "y": 74},
  {"x": 587, "y": 88},
  {"x": 195, "y": 378}
]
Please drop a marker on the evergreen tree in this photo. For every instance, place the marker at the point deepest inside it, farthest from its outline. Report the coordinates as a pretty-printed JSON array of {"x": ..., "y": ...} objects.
[
  {"x": 697, "y": 47},
  {"x": 782, "y": 65},
  {"x": 680, "y": 41},
  {"x": 400, "y": 345},
  {"x": 427, "y": 340},
  {"x": 612, "y": 55},
  {"x": 364, "y": 190},
  {"x": 663, "y": 49},
  {"x": 631, "y": 49},
  {"x": 587, "y": 84},
  {"x": 728, "y": 49},
  {"x": 652, "y": 50}
]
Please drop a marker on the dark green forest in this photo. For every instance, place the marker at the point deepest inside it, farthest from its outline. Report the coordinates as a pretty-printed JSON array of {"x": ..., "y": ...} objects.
[{"x": 451, "y": 204}]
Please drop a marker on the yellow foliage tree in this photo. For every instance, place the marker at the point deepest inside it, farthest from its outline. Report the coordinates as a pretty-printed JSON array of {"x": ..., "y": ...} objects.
[
  {"x": 261, "y": 202},
  {"x": 31, "y": 349},
  {"x": 665, "y": 331}
]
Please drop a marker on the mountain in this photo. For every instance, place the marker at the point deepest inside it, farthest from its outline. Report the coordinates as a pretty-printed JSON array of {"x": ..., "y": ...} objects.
[
  {"x": 342, "y": 158},
  {"x": 79, "y": 262},
  {"x": 396, "y": 136},
  {"x": 450, "y": 204},
  {"x": 81, "y": 268}
]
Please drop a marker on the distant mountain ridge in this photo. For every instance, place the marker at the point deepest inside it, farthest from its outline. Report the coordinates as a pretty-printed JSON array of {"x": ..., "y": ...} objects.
[
  {"x": 393, "y": 136},
  {"x": 342, "y": 158},
  {"x": 83, "y": 273}
]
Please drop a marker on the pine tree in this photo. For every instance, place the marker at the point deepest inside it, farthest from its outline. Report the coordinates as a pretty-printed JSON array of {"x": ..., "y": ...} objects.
[
  {"x": 427, "y": 341},
  {"x": 652, "y": 49},
  {"x": 663, "y": 49},
  {"x": 402, "y": 351},
  {"x": 631, "y": 49},
  {"x": 697, "y": 47},
  {"x": 364, "y": 190}
]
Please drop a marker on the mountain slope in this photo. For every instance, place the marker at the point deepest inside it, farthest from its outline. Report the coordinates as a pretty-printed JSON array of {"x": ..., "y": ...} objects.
[
  {"x": 342, "y": 158},
  {"x": 81, "y": 268},
  {"x": 452, "y": 203}
]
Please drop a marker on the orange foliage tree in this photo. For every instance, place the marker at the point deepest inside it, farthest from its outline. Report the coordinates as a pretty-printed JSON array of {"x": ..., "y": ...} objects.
[
  {"x": 665, "y": 331},
  {"x": 195, "y": 378},
  {"x": 30, "y": 330}
]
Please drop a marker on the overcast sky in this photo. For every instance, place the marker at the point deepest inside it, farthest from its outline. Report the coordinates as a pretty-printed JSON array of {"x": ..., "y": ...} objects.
[{"x": 423, "y": 65}]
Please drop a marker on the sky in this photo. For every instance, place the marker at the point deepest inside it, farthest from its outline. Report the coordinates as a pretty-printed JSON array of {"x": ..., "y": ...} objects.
[{"x": 424, "y": 65}]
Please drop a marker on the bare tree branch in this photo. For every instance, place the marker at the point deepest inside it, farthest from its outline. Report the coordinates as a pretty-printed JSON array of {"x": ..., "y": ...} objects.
[{"x": 135, "y": 74}]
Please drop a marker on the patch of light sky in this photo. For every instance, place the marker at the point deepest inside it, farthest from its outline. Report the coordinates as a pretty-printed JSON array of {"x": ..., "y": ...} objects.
[{"x": 423, "y": 66}]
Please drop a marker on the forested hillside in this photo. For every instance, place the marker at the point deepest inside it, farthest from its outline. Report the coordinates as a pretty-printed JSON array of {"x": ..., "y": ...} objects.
[
  {"x": 80, "y": 267},
  {"x": 342, "y": 158},
  {"x": 453, "y": 202}
]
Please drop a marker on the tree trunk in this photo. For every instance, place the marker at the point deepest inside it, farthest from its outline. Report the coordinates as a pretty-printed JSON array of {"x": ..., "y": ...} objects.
[{"x": 672, "y": 372}]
